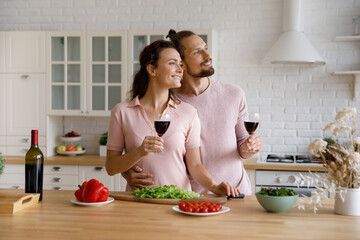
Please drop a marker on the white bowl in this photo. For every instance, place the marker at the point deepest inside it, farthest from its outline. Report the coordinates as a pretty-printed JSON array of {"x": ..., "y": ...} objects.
[
  {"x": 69, "y": 153},
  {"x": 70, "y": 139}
]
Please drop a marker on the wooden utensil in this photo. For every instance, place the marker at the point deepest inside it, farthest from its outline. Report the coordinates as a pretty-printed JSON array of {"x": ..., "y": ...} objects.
[
  {"x": 12, "y": 201},
  {"x": 129, "y": 196}
]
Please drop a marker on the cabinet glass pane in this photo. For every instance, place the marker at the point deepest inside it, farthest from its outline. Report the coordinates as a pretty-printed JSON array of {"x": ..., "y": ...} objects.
[
  {"x": 57, "y": 73},
  {"x": 57, "y": 97},
  {"x": 139, "y": 44},
  {"x": 98, "y": 73},
  {"x": 136, "y": 68},
  {"x": 57, "y": 48},
  {"x": 73, "y": 72},
  {"x": 73, "y": 48},
  {"x": 114, "y": 96},
  {"x": 98, "y": 98},
  {"x": 114, "y": 49},
  {"x": 73, "y": 97},
  {"x": 98, "y": 49},
  {"x": 204, "y": 38},
  {"x": 115, "y": 73},
  {"x": 156, "y": 37}
]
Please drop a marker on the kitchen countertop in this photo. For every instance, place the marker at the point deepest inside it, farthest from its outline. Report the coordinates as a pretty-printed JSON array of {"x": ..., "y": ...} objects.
[
  {"x": 56, "y": 218},
  {"x": 96, "y": 160}
]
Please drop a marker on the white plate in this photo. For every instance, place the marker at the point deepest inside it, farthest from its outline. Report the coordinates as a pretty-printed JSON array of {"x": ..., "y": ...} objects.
[
  {"x": 223, "y": 210},
  {"x": 70, "y": 139},
  {"x": 77, "y": 202},
  {"x": 71, "y": 152}
]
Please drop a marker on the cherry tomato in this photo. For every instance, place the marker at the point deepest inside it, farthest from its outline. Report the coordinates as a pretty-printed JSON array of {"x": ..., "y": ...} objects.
[
  {"x": 204, "y": 210},
  {"x": 189, "y": 209},
  {"x": 196, "y": 210},
  {"x": 182, "y": 206}
]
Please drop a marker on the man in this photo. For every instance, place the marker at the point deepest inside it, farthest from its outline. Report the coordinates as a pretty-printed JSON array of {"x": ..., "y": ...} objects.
[{"x": 221, "y": 108}]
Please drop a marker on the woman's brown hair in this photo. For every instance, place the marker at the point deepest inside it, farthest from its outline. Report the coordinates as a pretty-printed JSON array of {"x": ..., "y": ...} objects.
[{"x": 149, "y": 55}]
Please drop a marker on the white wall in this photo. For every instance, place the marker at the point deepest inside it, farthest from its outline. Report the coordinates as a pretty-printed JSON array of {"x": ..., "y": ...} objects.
[{"x": 295, "y": 102}]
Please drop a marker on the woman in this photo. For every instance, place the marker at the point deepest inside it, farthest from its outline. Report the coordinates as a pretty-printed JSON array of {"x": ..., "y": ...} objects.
[{"x": 131, "y": 126}]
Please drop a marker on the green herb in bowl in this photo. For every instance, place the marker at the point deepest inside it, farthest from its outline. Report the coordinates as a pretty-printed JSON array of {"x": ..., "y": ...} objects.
[
  {"x": 276, "y": 200},
  {"x": 281, "y": 192}
]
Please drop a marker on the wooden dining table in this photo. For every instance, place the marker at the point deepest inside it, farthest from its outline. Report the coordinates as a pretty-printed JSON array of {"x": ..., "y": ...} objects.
[{"x": 55, "y": 217}]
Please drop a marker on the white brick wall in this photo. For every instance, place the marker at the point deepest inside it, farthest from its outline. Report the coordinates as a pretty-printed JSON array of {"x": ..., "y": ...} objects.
[{"x": 295, "y": 102}]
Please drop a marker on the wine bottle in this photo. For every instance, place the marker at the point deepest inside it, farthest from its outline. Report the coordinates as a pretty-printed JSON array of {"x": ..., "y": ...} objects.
[{"x": 34, "y": 167}]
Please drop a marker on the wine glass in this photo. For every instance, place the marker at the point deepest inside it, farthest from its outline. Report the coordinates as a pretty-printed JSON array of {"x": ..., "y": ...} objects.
[
  {"x": 251, "y": 123},
  {"x": 161, "y": 123}
]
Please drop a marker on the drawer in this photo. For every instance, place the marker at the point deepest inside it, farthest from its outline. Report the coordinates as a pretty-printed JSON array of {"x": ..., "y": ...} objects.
[
  {"x": 61, "y": 169},
  {"x": 49, "y": 187},
  {"x": 13, "y": 178},
  {"x": 21, "y": 150},
  {"x": 60, "y": 180},
  {"x": 15, "y": 186},
  {"x": 3, "y": 150},
  {"x": 14, "y": 168},
  {"x": 2, "y": 140},
  {"x": 23, "y": 141}
]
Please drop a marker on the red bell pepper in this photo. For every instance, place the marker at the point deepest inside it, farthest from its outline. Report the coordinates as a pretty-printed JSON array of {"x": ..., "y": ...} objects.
[
  {"x": 94, "y": 191},
  {"x": 78, "y": 193}
]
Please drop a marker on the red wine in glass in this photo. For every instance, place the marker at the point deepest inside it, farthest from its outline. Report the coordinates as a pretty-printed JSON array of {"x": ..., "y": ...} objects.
[
  {"x": 161, "y": 123},
  {"x": 251, "y": 126},
  {"x": 161, "y": 127}
]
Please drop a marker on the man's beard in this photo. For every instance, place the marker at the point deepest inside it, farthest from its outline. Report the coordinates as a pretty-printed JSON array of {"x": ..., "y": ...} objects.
[{"x": 203, "y": 73}]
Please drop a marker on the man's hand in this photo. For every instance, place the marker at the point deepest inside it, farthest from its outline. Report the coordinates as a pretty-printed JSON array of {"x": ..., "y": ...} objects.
[
  {"x": 136, "y": 178},
  {"x": 250, "y": 146}
]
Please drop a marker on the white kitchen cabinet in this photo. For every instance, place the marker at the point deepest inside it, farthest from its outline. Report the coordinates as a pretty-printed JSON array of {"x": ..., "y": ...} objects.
[
  {"x": 138, "y": 39},
  {"x": 25, "y": 52},
  {"x": 25, "y": 109},
  {"x": 2, "y": 52},
  {"x": 355, "y": 74},
  {"x": 97, "y": 172},
  {"x": 2, "y": 113},
  {"x": 252, "y": 175},
  {"x": 61, "y": 177},
  {"x": 13, "y": 176},
  {"x": 106, "y": 71},
  {"x": 65, "y": 73},
  {"x": 86, "y": 75}
]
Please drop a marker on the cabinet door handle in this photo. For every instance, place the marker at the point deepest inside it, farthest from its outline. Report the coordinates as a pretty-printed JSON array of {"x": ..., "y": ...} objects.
[
  {"x": 99, "y": 168},
  {"x": 57, "y": 179},
  {"x": 57, "y": 188},
  {"x": 27, "y": 77},
  {"x": 16, "y": 187},
  {"x": 25, "y": 140},
  {"x": 57, "y": 169}
]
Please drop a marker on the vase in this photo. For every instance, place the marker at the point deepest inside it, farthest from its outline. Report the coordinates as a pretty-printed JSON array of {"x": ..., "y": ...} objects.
[
  {"x": 347, "y": 201},
  {"x": 102, "y": 150}
]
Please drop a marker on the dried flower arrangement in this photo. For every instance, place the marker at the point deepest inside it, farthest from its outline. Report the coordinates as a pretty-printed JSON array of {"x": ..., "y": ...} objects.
[{"x": 342, "y": 163}]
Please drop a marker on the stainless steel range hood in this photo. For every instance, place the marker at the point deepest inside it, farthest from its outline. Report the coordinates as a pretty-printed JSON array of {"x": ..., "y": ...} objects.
[{"x": 293, "y": 46}]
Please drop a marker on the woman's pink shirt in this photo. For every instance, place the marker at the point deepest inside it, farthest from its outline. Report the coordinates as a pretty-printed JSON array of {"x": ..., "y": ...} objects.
[{"x": 129, "y": 125}]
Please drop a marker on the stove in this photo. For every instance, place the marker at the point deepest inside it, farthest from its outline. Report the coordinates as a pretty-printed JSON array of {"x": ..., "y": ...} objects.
[
  {"x": 282, "y": 178},
  {"x": 291, "y": 159}
]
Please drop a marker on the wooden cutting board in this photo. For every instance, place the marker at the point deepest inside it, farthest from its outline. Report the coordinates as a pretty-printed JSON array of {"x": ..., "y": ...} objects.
[
  {"x": 12, "y": 201},
  {"x": 129, "y": 196}
]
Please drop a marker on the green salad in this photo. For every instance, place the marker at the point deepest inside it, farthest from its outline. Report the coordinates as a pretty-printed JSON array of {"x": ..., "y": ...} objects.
[
  {"x": 277, "y": 192},
  {"x": 166, "y": 191}
]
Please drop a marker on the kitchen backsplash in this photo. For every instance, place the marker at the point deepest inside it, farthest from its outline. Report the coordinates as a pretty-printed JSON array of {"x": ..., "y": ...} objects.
[
  {"x": 295, "y": 101},
  {"x": 90, "y": 128}
]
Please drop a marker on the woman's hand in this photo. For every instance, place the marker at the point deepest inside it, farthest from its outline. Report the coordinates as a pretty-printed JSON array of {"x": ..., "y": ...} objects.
[
  {"x": 151, "y": 144},
  {"x": 225, "y": 188}
]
